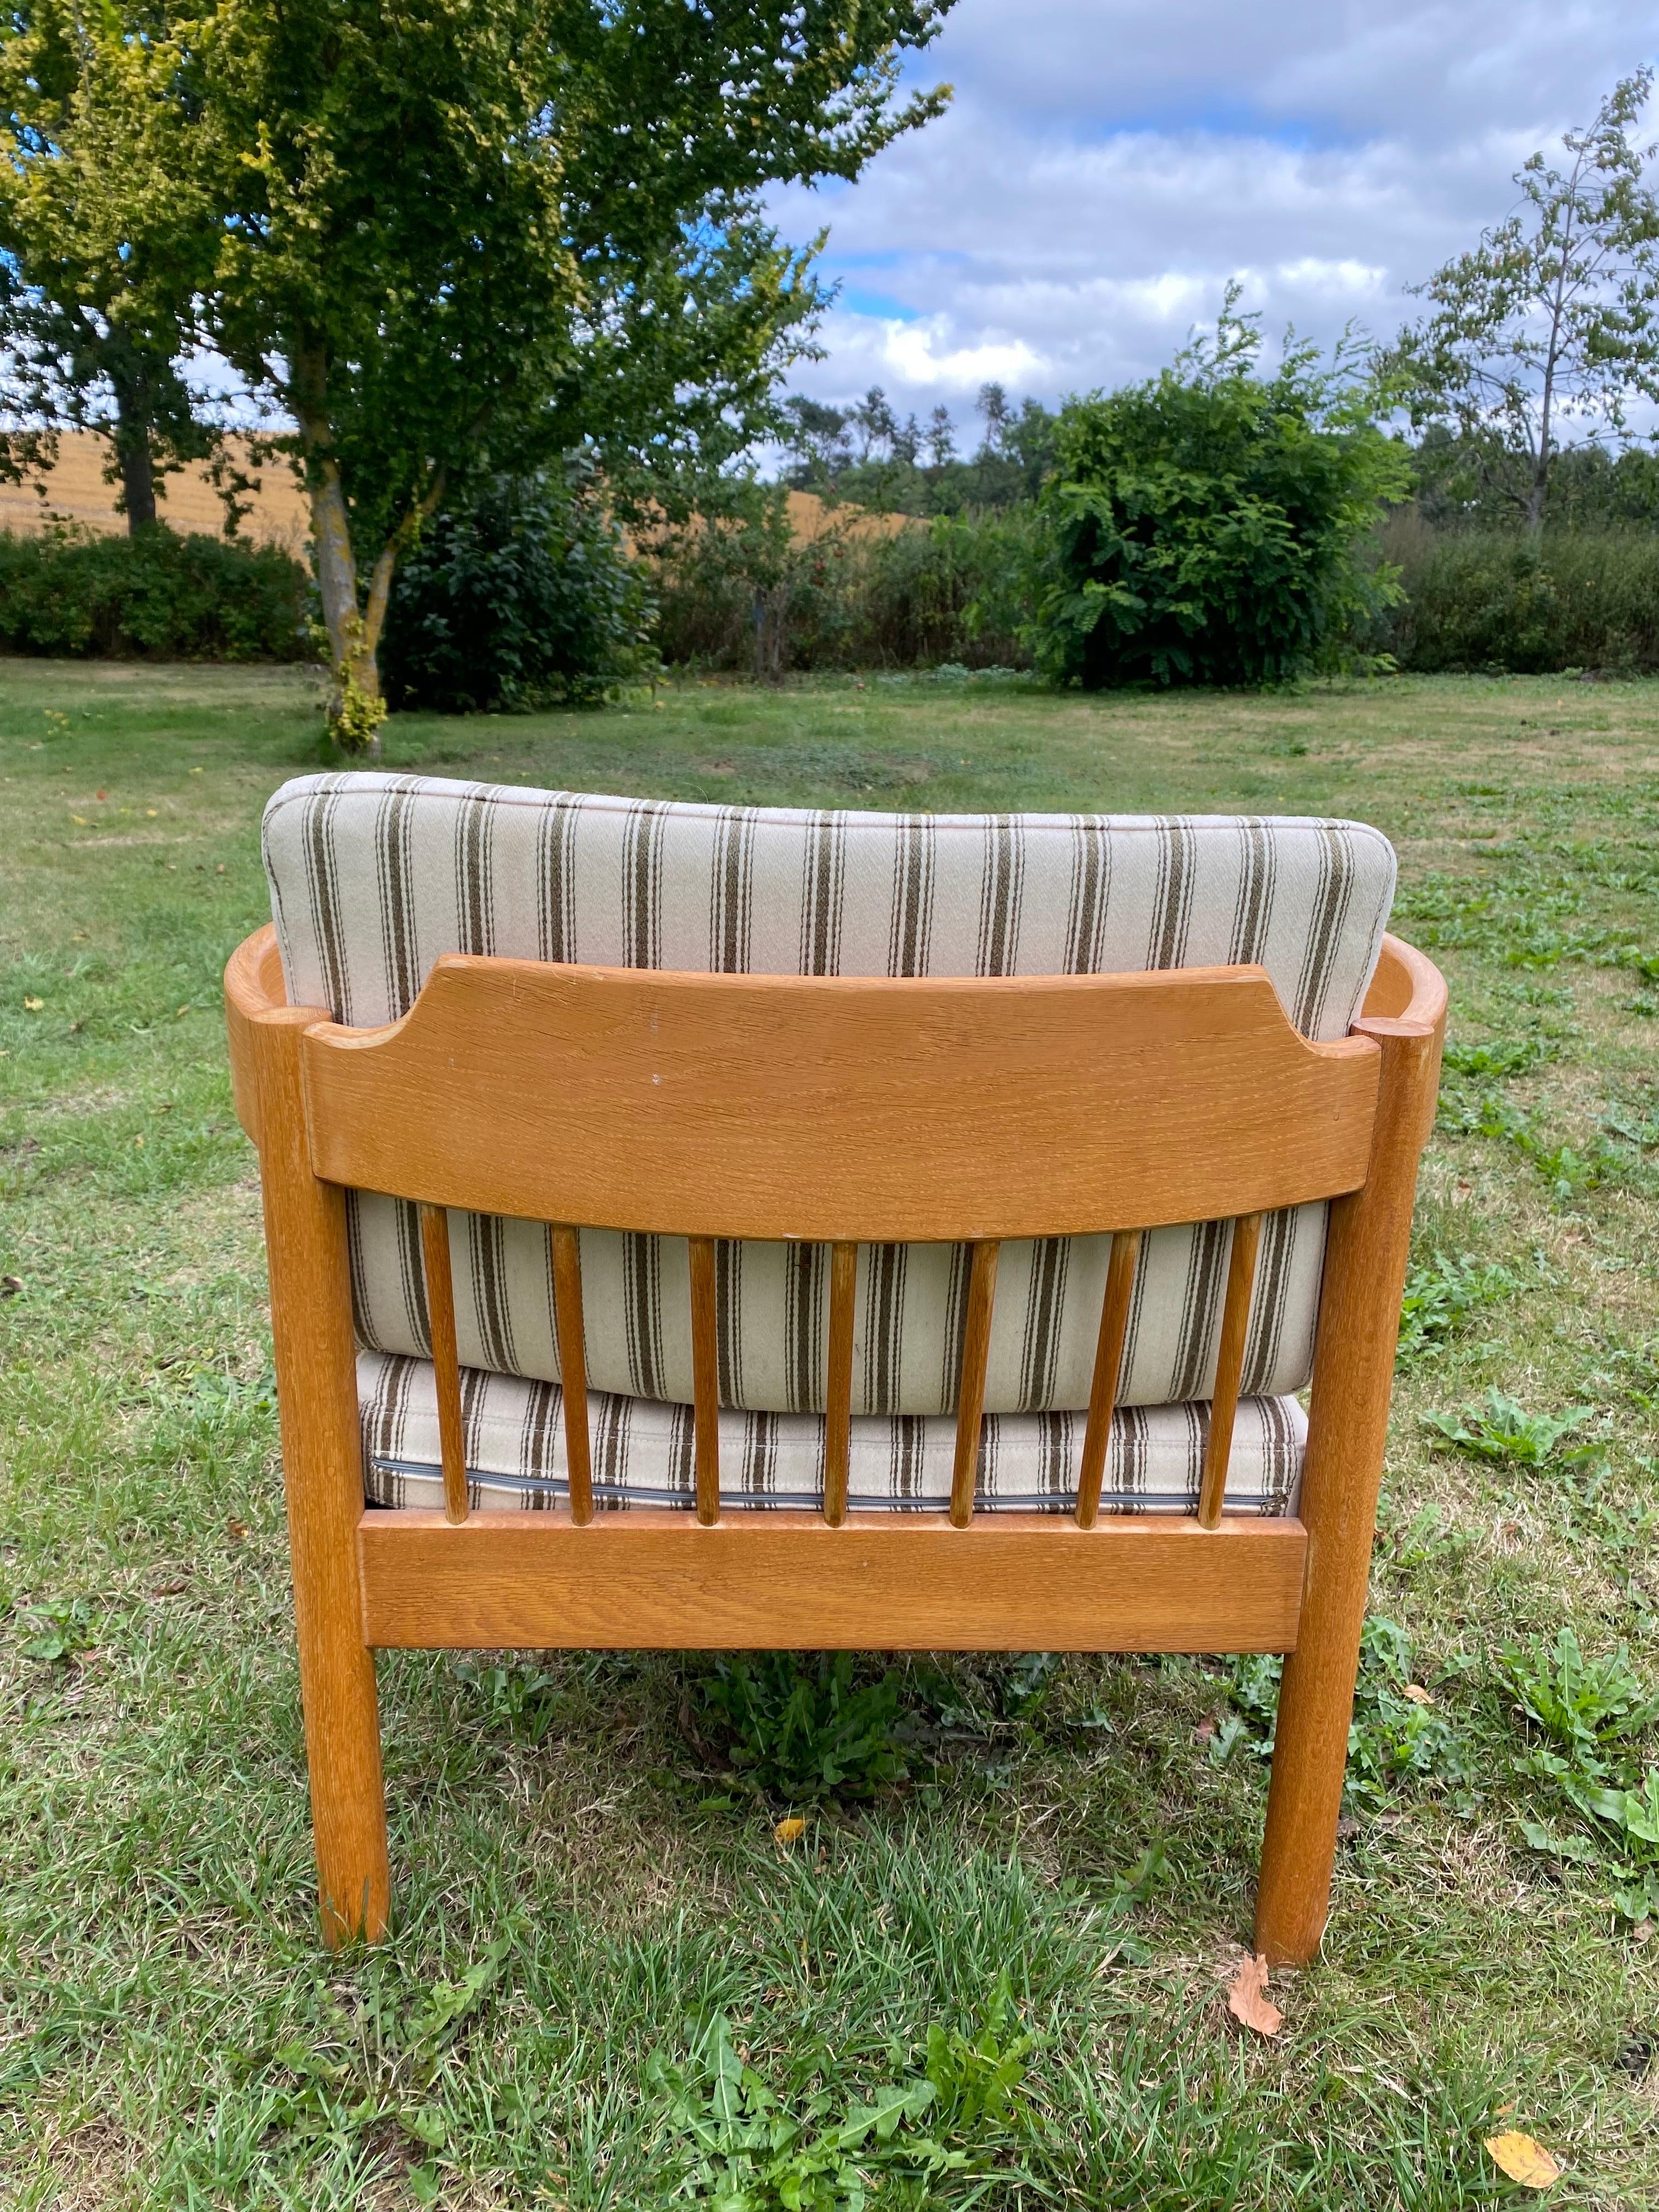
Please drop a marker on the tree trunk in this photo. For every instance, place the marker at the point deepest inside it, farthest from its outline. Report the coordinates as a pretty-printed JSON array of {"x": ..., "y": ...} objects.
[
  {"x": 134, "y": 457},
  {"x": 137, "y": 482},
  {"x": 356, "y": 707},
  {"x": 354, "y": 622}
]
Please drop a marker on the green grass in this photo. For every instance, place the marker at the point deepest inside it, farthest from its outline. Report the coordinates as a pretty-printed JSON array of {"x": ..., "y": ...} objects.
[{"x": 583, "y": 1890}]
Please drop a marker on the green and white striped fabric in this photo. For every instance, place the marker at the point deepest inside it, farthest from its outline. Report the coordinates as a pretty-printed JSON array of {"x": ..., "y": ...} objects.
[{"x": 373, "y": 877}]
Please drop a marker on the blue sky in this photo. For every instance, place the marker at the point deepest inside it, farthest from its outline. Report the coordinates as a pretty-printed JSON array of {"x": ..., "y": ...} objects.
[{"x": 1107, "y": 166}]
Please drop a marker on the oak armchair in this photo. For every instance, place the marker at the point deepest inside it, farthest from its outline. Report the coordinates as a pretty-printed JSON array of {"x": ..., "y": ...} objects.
[{"x": 714, "y": 1227}]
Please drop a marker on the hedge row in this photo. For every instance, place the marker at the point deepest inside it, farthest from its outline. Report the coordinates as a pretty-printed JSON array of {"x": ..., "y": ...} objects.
[
  {"x": 956, "y": 590},
  {"x": 157, "y": 596}
]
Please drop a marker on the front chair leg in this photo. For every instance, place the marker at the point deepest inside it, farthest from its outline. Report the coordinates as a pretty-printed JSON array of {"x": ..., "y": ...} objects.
[{"x": 343, "y": 1753}]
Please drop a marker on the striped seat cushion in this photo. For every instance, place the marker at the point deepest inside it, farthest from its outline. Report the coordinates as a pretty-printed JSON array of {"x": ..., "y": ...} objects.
[
  {"x": 642, "y": 1452},
  {"x": 373, "y": 877}
]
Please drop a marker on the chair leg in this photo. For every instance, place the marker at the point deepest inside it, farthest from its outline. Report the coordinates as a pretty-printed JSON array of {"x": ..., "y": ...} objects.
[
  {"x": 1305, "y": 1796},
  {"x": 343, "y": 1753},
  {"x": 323, "y": 1477},
  {"x": 1365, "y": 1256}
]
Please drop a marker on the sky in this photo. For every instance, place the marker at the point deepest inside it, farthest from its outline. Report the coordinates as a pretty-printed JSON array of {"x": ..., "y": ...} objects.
[{"x": 1107, "y": 166}]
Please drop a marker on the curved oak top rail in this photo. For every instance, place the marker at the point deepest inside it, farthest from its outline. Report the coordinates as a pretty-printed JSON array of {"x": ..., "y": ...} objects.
[{"x": 848, "y": 1109}]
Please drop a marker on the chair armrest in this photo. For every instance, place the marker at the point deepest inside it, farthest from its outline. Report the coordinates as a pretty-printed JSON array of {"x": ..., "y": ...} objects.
[{"x": 1407, "y": 989}]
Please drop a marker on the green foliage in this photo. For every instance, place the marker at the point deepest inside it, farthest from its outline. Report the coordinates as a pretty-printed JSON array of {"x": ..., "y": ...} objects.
[
  {"x": 1571, "y": 1172},
  {"x": 798, "y": 1728},
  {"x": 1501, "y": 1430},
  {"x": 1203, "y": 528},
  {"x": 490, "y": 231},
  {"x": 863, "y": 452},
  {"x": 745, "y": 2149},
  {"x": 1494, "y": 600},
  {"x": 1393, "y": 1739},
  {"x": 101, "y": 250},
  {"x": 1592, "y": 1713},
  {"x": 1552, "y": 317},
  {"x": 156, "y": 595},
  {"x": 740, "y": 593},
  {"x": 1441, "y": 1295},
  {"x": 522, "y": 597},
  {"x": 1583, "y": 1705}
]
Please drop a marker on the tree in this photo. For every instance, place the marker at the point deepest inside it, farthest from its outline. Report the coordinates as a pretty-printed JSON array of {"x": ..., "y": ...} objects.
[
  {"x": 876, "y": 423},
  {"x": 1553, "y": 318},
  {"x": 819, "y": 435},
  {"x": 100, "y": 250},
  {"x": 467, "y": 235},
  {"x": 992, "y": 405},
  {"x": 941, "y": 438},
  {"x": 1202, "y": 527}
]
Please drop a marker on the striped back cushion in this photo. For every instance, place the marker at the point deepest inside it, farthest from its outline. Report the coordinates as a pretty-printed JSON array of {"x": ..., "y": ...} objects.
[{"x": 373, "y": 877}]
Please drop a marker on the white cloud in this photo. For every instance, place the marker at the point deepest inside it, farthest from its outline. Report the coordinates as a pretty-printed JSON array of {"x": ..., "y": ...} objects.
[{"x": 1107, "y": 165}]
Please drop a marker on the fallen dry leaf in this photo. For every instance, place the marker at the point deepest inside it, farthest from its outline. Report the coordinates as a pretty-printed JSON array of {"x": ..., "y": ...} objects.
[
  {"x": 1247, "y": 1998},
  {"x": 1207, "y": 1729},
  {"x": 11, "y": 1286},
  {"x": 1417, "y": 1695},
  {"x": 236, "y": 1530},
  {"x": 1523, "y": 2159},
  {"x": 790, "y": 1831},
  {"x": 79, "y": 820},
  {"x": 33, "y": 1006}
]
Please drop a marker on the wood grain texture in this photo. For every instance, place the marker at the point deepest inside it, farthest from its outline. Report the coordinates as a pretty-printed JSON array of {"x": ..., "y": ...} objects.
[
  {"x": 253, "y": 995},
  {"x": 838, "y": 1382},
  {"x": 573, "y": 1370},
  {"x": 446, "y": 1361},
  {"x": 971, "y": 1401},
  {"x": 1109, "y": 1361},
  {"x": 884, "y": 1581},
  {"x": 1229, "y": 1367},
  {"x": 705, "y": 1378},
  {"x": 964, "y": 1108},
  {"x": 1358, "y": 1322},
  {"x": 322, "y": 1455}
]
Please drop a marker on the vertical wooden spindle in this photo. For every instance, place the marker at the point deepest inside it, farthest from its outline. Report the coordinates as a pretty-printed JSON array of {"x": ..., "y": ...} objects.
[
  {"x": 445, "y": 1365},
  {"x": 838, "y": 1392},
  {"x": 573, "y": 1370},
  {"x": 970, "y": 1406},
  {"x": 1109, "y": 1361},
  {"x": 705, "y": 1378},
  {"x": 1229, "y": 1368}
]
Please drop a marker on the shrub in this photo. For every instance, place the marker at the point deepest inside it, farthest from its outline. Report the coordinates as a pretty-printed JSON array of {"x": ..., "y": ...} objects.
[
  {"x": 1490, "y": 599},
  {"x": 1205, "y": 527},
  {"x": 741, "y": 593},
  {"x": 157, "y": 595},
  {"x": 522, "y": 596}
]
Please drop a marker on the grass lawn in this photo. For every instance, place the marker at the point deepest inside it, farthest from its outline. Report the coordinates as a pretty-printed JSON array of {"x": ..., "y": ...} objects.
[{"x": 583, "y": 1892}]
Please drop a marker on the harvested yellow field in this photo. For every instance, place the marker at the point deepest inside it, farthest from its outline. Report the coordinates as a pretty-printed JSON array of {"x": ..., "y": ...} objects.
[{"x": 77, "y": 492}]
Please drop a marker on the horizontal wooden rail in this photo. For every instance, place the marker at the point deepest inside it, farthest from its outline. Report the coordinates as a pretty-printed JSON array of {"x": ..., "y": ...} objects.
[
  {"x": 883, "y": 1581},
  {"x": 967, "y": 1109}
]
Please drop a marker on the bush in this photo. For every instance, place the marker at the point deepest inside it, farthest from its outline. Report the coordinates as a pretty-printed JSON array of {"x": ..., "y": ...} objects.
[
  {"x": 1492, "y": 599},
  {"x": 523, "y": 597},
  {"x": 157, "y": 596},
  {"x": 739, "y": 592},
  {"x": 1205, "y": 527}
]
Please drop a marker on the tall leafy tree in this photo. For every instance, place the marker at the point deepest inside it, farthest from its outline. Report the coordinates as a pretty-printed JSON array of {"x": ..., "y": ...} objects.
[
  {"x": 101, "y": 247},
  {"x": 1543, "y": 333},
  {"x": 455, "y": 235}
]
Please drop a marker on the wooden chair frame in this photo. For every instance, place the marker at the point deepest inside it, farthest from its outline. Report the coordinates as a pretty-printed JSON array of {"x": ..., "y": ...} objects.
[{"x": 840, "y": 1111}]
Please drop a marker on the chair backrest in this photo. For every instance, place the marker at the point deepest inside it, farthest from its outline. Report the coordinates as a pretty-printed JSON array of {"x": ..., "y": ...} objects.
[{"x": 374, "y": 879}]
